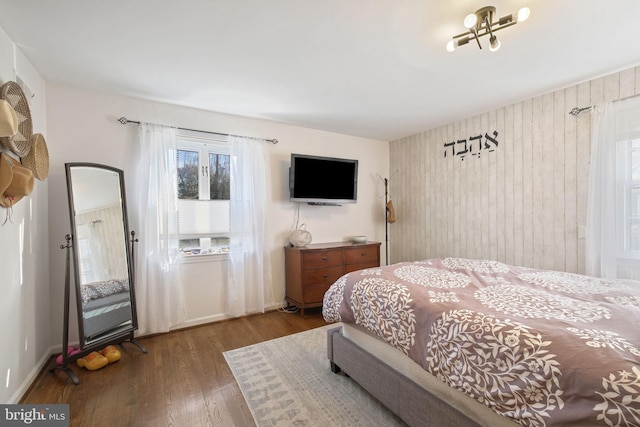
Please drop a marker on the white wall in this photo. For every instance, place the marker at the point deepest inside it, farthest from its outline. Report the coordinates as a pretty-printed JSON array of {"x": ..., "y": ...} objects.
[
  {"x": 524, "y": 203},
  {"x": 83, "y": 123},
  {"x": 24, "y": 264},
  {"x": 80, "y": 126}
]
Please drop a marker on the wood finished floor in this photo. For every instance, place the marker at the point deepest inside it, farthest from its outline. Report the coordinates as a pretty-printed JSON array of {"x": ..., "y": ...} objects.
[{"x": 183, "y": 380}]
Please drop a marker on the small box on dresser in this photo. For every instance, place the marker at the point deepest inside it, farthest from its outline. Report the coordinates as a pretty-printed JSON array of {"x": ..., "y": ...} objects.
[{"x": 310, "y": 270}]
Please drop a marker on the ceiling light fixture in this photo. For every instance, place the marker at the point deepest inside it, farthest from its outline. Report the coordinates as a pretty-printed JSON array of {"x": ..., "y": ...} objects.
[{"x": 481, "y": 23}]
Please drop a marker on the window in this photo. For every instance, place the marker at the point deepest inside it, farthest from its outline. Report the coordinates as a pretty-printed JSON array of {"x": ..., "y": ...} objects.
[
  {"x": 629, "y": 198},
  {"x": 84, "y": 262},
  {"x": 612, "y": 238},
  {"x": 203, "y": 185}
]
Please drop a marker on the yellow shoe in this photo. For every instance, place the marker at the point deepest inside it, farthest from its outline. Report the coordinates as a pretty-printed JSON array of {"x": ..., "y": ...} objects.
[
  {"x": 112, "y": 353},
  {"x": 92, "y": 361}
]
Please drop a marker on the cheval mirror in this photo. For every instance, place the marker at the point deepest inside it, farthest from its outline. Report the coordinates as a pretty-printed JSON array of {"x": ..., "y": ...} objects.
[{"x": 103, "y": 261}]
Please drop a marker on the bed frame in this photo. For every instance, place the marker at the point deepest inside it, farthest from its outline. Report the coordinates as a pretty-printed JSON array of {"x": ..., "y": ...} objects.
[
  {"x": 114, "y": 310},
  {"x": 414, "y": 404}
]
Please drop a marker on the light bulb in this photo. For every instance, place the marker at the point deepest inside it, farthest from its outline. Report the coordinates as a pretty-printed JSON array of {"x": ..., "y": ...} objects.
[
  {"x": 451, "y": 46},
  {"x": 470, "y": 20},
  {"x": 523, "y": 14},
  {"x": 494, "y": 44}
]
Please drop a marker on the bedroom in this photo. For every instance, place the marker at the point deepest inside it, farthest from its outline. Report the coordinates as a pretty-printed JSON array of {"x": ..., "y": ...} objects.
[{"x": 80, "y": 125}]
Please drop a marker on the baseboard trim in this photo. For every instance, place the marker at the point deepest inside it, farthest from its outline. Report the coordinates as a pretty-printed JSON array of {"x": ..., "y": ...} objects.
[
  {"x": 216, "y": 318},
  {"x": 200, "y": 321},
  {"x": 37, "y": 370}
]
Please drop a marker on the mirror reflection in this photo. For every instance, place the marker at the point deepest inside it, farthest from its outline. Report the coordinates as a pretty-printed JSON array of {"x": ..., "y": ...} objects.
[{"x": 103, "y": 291}]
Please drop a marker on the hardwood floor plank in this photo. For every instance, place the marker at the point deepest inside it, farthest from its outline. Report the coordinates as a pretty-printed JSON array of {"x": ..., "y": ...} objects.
[{"x": 182, "y": 380}]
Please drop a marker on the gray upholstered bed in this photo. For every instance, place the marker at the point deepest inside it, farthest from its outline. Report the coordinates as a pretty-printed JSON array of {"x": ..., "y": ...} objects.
[
  {"x": 498, "y": 345},
  {"x": 105, "y": 306},
  {"x": 416, "y": 397},
  {"x": 104, "y": 314}
]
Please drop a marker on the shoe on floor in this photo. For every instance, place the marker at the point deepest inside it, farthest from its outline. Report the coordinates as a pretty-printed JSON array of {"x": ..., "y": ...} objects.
[
  {"x": 70, "y": 352},
  {"x": 112, "y": 353},
  {"x": 92, "y": 361}
]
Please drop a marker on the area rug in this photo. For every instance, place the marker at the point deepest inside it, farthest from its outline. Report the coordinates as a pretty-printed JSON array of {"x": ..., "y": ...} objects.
[{"x": 287, "y": 382}]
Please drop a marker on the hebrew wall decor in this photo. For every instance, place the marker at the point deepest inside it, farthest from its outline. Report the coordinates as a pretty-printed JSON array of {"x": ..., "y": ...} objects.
[{"x": 473, "y": 146}]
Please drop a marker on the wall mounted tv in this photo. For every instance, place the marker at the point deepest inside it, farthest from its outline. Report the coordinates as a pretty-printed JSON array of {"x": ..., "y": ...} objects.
[{"x": 323, "y": 180}]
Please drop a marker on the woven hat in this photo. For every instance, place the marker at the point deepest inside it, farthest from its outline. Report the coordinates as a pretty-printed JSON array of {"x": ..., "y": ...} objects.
[
  {"x": 20, "y": 143},
  {"x": 38, "y": 158},
  {"x": 8, "y": 119},
  {"x": 16, "y": 181}
]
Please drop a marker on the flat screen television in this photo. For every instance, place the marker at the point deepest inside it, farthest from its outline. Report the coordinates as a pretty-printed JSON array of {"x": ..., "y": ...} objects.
[{"x": 323, "y": 180}]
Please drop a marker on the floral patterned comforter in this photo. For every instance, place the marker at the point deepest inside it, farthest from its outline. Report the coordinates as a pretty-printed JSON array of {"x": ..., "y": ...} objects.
[{"x": 544, "y": 348}]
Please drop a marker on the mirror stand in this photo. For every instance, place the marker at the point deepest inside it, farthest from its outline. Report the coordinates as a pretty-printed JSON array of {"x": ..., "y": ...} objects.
[
  {"x": 65, "y": 338},
  {"x": 103, "y": 262},
  {"x": 133, "y": 242},
  {"x": 119, "y": 339}
]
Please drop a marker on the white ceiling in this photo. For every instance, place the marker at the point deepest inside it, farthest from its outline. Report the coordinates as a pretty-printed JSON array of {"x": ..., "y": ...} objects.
[
  {"x": 94, "y": 188},
  {"x": 372, "y": 68}
]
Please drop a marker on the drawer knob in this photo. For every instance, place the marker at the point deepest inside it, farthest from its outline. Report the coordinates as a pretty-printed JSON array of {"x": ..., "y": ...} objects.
[
  {"x": 363, "y": 254},
  {"x": 324, "y": 258},
  {"x": 325, "y": 276}
]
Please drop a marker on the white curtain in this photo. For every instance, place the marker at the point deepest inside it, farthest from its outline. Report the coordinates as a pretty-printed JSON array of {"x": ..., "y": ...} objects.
[
  {"x": 249, "y": 274},
  {"x": 613, "y": 122},
  {"x": 159, "y": 296}
]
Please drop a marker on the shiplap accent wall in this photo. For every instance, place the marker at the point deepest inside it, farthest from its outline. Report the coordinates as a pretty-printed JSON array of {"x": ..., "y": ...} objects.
[{"x": 524, "y": 203}]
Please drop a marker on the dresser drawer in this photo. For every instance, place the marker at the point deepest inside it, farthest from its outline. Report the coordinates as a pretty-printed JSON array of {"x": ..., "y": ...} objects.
[
  {"x": 320, "y": 259},
  {"x": 358, "y": 254},
  {"x": 322, "y": 275},
  {"x": 355, "y": 267},
  {"x": 315, "y": 293}
]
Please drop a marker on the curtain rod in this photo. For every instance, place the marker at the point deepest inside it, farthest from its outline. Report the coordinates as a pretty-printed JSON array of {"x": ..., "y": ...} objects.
[
  {"x": 126, "y": 121},
  {"x": 575, "y": 111}
]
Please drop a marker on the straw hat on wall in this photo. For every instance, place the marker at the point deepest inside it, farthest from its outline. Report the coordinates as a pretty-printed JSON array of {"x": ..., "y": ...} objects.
[
  {"x": 16, "y": 181},
  {"x": 20, "y": 142},
  {"x": 8, "y": 119}
]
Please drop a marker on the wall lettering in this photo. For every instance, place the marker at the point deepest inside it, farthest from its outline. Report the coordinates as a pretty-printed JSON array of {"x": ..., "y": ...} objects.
[{"x": 473, "y": 145}]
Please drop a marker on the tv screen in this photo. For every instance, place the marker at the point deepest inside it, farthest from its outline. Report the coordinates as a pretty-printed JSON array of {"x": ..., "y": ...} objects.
[{"x": 323, "y": 180}]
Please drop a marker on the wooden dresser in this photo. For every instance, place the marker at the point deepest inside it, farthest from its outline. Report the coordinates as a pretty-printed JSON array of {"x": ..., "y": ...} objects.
[{"x": 310, "y": 270}]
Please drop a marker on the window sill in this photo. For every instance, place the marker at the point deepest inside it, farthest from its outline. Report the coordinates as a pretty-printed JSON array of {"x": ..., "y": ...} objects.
[{"x": 189, "y": 259}]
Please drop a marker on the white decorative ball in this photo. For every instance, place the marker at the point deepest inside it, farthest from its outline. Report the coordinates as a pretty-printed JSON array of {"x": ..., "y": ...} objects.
[{"x": 300, "y": 237}]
